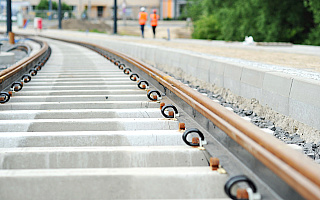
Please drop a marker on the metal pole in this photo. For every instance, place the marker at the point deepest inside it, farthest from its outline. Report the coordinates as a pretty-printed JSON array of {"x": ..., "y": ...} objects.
[
  {"x": 50, "y": 9},
  {"x": 79, "y": 9},
  {"x": 0, "y": 8},
  {"x": 124, "y": 7},
  {"x": 89, "y": 9},
  {"x": 175, "y": 8},
  {"x": 9, "y": 22},
  {"x": 161, "y": 9},
  {"x": 60, "y": 14},
  {"x": 115, "y": 17}
]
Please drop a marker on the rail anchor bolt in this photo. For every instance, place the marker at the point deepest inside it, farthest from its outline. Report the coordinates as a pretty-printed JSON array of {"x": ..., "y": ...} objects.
[
  {"x": 161, "y": 106},
  {"x": 195, "y": 140},
  {"x": 182, "y": 126},
  {"x": 214, "y": 163}
]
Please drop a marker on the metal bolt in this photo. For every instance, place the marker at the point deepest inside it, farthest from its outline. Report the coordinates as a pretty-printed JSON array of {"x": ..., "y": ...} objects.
[
  {"x": 214, "y": 163},
  {"x": 182, "y": 126},
  {"x": 163, "y": 104},
  {"x": 195, "y": 140},
  {"x": 242, "y": 193},
  {"x": 155, "y": 97}
]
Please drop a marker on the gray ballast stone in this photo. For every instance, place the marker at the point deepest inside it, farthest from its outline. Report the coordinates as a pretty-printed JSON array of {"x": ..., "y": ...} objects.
[
  {"x": 91, "y": 138},
  {"x": 124, "y": 183}
]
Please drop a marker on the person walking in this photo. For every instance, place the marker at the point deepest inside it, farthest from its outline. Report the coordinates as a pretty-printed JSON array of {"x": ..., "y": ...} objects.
[
  {"x": 143, "y": 17},
  {"x": 154, "y": 22}
]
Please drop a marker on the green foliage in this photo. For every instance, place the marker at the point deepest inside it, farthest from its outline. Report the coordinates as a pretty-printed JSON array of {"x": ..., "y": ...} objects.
[
  {"x": 314, "y": 7},
  {"x": 314, "y": 35},
  {"x": 168, "y": 19},
  {"x": 206, "y": 28},
  {"x": 65, "y": 6},
  {"x": 270, "y": 21},
  {"x": 96, "y": 31},
  {"x": 193, "y": 9},
  {"x": 44, "y": 5}
]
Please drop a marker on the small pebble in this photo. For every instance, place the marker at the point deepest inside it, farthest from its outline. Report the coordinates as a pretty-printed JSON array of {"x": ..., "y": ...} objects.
[{"x": 248, "y": 112}]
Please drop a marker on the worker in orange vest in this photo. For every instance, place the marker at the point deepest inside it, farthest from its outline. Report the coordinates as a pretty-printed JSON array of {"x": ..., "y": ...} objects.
[
  {"x": 143, "y": 17},
  {"x": 154, "y": 22}
]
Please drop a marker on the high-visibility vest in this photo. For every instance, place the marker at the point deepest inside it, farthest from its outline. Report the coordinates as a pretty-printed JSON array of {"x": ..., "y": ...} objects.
[
  {"x": 143, "y": 16},
  {"x": 154, "y": 19}
]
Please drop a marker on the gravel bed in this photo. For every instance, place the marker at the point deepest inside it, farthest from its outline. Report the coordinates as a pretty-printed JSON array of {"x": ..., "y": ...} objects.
[{"x": 311, "y": 149}]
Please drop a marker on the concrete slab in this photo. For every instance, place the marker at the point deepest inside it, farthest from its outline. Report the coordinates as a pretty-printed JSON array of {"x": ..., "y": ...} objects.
[
  {"x": 232, "y": 78},
  {"x": 203, "y": 70},
  {"x": 7, "y": 58},
  {"x": 150, "y": 54},
  {"x": 79, "y": 105},
  {"x": 83, "y": 98},
  {"x": 81, "y": 83},
  {"x": 174, "y": 58},
  {"x": 250, "y": 92},
  {"x": 107, "y": 124},
  {"x": 184, "y": 58},
  {"x": 306, "y": 113},
  {"x": 253, "y": 76},
  {"x": 125, "y": 183},
  {"x": 193, "y": 65},
  {"x": 307, "y": 91},
  {"x": 304, "y": 102},
  {"x": 216, "y": 73},
  {"x": 79, "y": 92},
  {"x": 91, "y": 138},
  {"x": 276, "y": 101},
  {"x": 39, "y": 75},
  {"x": 68, "y": 80},
  {"x": 84, "y": 87},
  {"x": 80, "y": 114},
  {"x": 101, "y": 157},
  {"x": 115, "y": 71}
]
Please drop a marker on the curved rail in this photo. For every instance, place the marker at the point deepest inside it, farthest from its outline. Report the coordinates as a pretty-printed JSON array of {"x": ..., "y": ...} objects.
[
  {"x": 295, "y": 169},
  {"x": 22, "y": 66}
]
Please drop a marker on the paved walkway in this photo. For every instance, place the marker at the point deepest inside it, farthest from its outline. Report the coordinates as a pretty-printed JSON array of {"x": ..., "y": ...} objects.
[{"x": 297, "y": 56}]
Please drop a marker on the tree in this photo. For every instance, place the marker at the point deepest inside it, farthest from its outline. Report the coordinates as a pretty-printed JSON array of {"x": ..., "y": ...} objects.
[
  {"x": 270, "y": 21},
  {"x": 314, "y": 35},
  {"x": 44, "y": 5}
]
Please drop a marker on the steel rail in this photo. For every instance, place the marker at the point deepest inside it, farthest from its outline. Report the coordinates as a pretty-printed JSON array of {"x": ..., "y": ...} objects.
[
  {"x": 7, "y": 73},
  {"x": 298, "y": 171}
]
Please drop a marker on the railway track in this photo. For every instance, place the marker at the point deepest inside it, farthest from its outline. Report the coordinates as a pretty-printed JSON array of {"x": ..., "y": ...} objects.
[{"x": 88, "y": 128}]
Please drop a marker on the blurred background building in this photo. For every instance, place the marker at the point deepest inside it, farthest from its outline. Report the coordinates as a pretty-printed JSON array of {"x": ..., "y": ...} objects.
[{"x": 99, "y": 9}]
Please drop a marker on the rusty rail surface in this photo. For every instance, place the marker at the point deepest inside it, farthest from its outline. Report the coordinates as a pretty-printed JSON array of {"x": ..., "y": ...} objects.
[
  {"x": 298, "y": 171},
  {"x": 7, "y": 73}
]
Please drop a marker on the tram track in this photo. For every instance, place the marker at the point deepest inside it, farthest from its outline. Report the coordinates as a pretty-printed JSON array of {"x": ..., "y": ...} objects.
[{"x": 104, "y": 103}]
